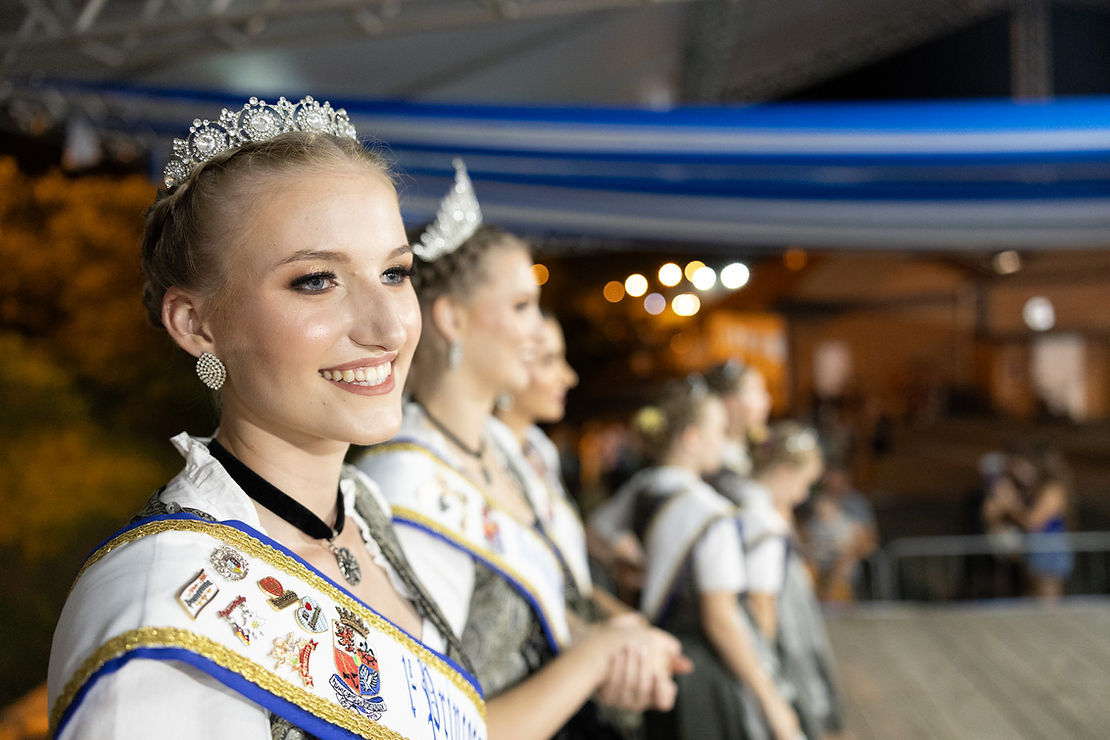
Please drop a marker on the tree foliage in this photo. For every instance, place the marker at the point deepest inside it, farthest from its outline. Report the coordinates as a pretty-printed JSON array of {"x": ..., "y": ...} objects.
[{"x": 89, "y": 391}]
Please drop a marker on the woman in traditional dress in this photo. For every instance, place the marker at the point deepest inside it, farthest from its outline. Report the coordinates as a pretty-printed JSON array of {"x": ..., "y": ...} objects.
[
  {"x": 743, "y": 390},
  {"x": 785, "y": 465},
  {"x": 543, "y": 401},
  {"x": 695, "y": 575},
  {"x": 458, "y": 498},
  {"x": 262, "y": 593},
  {"x": 766, "y": 534}
]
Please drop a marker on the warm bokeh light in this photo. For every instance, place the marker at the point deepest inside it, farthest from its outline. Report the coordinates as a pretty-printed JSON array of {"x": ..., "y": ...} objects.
[
  {"x": 1039, "y": 313},
  {"x": 735, "y": 275},
  {"x": 655, "y": 303},
  {"x": 541, "y": 273},
  {"x": 1006, "y": 263},
  {"x": 691, "y": 268},
  {"x": 635, "y": 285},
  {"x": 682, "y": 344},
  {"x": 670, "y": 274},
  {"x": 613, "y": 291},
  {"x": 795, "y": 258},
  {"x": 704, "y": 278},
  {"x": 686, "y": 304}
]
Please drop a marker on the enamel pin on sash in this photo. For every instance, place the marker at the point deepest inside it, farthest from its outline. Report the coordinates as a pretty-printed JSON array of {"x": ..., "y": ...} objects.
[
  {"x": 310, "y": 616},
  {"x": 295, "y": 653},
  {"x": 197, "y": 593},
  {"x": 358, "y": 682},
  {"x": 280, "y": 597},
  {"x": 229, "y": 564},
  {"x": 247, "y": 624}
]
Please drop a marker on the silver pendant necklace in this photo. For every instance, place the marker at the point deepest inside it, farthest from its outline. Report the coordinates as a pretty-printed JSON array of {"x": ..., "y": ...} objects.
[{"x": 348, "y": 563}]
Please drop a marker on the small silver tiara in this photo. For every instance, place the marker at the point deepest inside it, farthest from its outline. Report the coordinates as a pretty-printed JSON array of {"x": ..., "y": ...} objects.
[
  {"x": 459, "y": 216},
  {"x": 257, "y": 121}
]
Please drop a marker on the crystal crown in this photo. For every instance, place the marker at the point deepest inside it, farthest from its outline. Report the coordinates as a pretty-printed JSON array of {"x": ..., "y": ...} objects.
[
  {"x": 459, "y": 216},
  {"x": 256, "y": 121}
]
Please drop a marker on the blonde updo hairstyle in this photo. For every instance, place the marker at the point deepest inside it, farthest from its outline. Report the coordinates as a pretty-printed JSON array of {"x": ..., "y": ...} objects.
[
  {"x": 192, "y": 225},
  {"x": 787, "y": 443},
  {"x": 660, "y": 425},
  {"x": 456, "y": 275}
]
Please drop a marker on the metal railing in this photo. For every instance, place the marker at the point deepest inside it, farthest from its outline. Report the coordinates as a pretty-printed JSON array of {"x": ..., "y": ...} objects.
[{"x": 957, "y": 567}]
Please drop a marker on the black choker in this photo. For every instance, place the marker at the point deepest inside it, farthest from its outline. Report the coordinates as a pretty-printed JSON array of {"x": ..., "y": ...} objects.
[{"x": 282, "y": 505}]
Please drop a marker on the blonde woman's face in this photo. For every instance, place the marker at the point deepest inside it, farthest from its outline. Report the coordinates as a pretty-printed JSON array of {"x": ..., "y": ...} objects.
[
  {"x": 502, "y": 322},
  {"x": 319, "y": 319}
]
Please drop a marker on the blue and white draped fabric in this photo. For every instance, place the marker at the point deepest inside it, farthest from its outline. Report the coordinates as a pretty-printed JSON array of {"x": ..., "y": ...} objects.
[
  {"x": 558, "y": 516},
  {"x": 222, "y": 601},
  {"x": 690, "y": 507},
  {"x": 444, "y": 520},
  {"x": 959, "y": 174}
]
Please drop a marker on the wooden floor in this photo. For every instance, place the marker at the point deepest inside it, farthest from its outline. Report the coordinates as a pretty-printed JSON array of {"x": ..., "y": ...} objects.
[{"x": 1011, "y": 670}]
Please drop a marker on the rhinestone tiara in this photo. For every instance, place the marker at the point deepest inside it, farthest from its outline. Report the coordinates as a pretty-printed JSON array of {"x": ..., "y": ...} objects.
[
  {"x": 459, "y": 216},
  {"x": 257, "y": 121}
]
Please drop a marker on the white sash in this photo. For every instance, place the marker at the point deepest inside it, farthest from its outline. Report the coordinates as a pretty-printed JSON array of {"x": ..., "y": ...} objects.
[
  {"x": 675, "y": 528},
  {"x": 427, "y": 493},
  {"x": 234, "y": 603},
  {"x": 559, "y": 518}
]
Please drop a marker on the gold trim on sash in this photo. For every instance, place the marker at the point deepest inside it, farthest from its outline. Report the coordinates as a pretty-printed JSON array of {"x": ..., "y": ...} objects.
[
  {"x": 416, "y": 447},
  {"x": 492, "y": 557},
  {"x": 162, "y": 637},
  {"x": 280, "y": 560}
]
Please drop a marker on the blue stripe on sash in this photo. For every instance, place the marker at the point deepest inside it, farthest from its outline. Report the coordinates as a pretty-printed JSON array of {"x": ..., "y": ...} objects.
[{"x": 547, "y": 631}]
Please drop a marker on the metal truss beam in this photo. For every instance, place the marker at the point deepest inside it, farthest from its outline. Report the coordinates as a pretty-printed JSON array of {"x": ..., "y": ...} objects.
[
  {"x": 140, "y": 32},
  {"x": 834, "y": 42}
]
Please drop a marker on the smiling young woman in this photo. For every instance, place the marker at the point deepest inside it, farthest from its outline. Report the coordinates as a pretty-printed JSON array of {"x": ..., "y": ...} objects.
[{"x": 262, "y": 593}]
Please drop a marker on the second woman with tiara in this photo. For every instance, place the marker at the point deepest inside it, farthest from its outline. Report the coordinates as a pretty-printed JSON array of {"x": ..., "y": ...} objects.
[{"x": 462, "y": 502}]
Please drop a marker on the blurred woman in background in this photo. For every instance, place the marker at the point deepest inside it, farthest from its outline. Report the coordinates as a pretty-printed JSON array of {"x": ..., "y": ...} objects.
[
  {"x": 1037, "y": 497},
  {"x": 462, "y": 501},
  {"x": 695, "y": 573},
  {"x": 785, "y": 466},
  {"x": 544, "y": 401}
]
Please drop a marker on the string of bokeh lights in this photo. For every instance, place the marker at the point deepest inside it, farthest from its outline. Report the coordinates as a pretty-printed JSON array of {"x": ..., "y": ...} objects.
[{"x": 699, "y": 275}]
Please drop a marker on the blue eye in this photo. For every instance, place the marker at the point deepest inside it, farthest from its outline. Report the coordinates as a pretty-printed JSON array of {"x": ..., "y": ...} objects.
[
  {"x": 316, "y": 282},
  {"x": 397, "y": 275}
]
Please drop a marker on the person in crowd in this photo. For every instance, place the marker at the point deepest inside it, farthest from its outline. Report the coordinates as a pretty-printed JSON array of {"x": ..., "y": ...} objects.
[
  {"x": 831, "y": 537},
  {"x": 841, "y": 502},
  {"x": 262, "y": 592},
  {"x": 544, "y": 401},
  {"x": 1007, "y": 576},
  {"x": 1038, "y": 500},
  {"x": 472, "y": 518},
  {"x": 785, "y": 465},
  {"x": 696, "y": 575}
]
